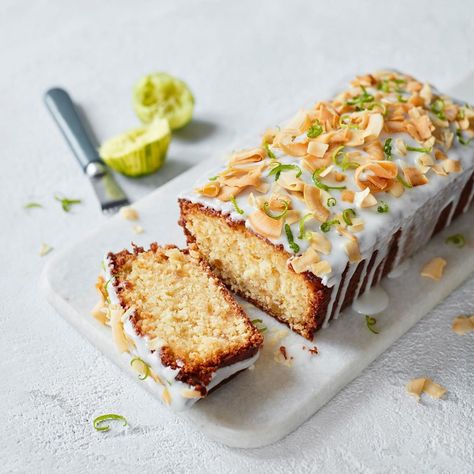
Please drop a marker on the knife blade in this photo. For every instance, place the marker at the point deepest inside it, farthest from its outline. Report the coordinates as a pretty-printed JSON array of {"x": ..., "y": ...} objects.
[{"x": 107, "y": 190}]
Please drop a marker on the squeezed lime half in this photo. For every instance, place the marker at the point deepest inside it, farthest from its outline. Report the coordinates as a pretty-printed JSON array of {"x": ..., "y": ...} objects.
[
  {"x": 139, "y": 151},
  {"x": 164, "y": 96}
]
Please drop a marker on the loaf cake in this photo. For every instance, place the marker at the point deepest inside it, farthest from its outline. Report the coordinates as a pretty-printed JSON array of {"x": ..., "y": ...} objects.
[
  {"x": 319, "y": 210},
  {"x": 176, "y": 322}
]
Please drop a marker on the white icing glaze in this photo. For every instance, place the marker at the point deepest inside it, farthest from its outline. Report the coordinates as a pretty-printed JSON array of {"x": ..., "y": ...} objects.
[
  {"x": 373, "y": 301},
  {"x": 379, "y": 227},
  {"x": 398, "y": 271},
  {"x": 168, "y": 375}
]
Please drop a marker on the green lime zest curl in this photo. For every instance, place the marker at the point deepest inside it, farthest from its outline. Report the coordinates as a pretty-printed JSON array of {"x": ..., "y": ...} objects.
[
  {"x": 277, "y": 170},
  {"x": 347, "y": 215},
  {"x": 371, "y": 322},
  {"x": 266, "y": 209},
  {"x": 302, "y": 234},
  {"x": 315, "y": 130},
  {"x": 291, "y": 241},
  {"x": 144, "y": 364},
  {"x": 97, "y": 423},
  {"x": 326, "y": 226},
  {"x": 236, "y": 206},
  {"x": 457, "y": 240},
  {"x": 317, "y": 182}
]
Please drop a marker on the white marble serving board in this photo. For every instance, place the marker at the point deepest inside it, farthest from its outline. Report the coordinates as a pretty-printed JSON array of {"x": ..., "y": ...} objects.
[{"x": 263, "y": 405}]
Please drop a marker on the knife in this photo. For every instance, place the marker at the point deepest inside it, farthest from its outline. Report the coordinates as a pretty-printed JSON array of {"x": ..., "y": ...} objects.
[{"x": 109, "y": 193}]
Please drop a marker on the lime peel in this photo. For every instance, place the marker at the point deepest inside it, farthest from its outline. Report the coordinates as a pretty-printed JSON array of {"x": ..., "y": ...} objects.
[
  {"x": 164, "y": 96},
  {"x": 139, "y": 151}
]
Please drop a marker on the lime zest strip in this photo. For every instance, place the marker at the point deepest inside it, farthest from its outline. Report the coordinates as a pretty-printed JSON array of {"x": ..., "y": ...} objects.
[
  {"x": 98, "y": 422},
  {"x": 145, "y": 366}
]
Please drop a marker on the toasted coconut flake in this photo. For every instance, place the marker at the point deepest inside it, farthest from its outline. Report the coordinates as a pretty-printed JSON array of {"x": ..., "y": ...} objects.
[
  {"x": 129, "y": 213},
  {"x": 451, "y": 166},
  {"x": 312, "y": 199},
  {"x": 364, "y": 199},
  {"x": 463, "y": 325},
  {"x": 249, "y": 155},
  {"x": 99, "y": 312},
  {"x": 293, "y": 148},
  {"x": 317, "y": 149},
  {"x": 304, "y": 262},
  {"x": 374, "y": 127},
  {"x": 352, "y": 251},
  {"x": 228, "y": 192},
  {"x": 320, "y": 243},
  {"x": 433, "y": 389},
  {"x": 439, "y": 154},
  {"x": 299, "y": 123},
  {"x": 166, "y": 396},
  {"x": 326, "y": 171},
  {"x": 290, "y": 182},
  {"x": 265, "y": 225},
  {"x": 191, "y": 394},
  {"x": 415, "y": 387},
  {"x": 358, "y": 225},
  {"x": 426, "y": 94},
  {"x": 424, "y": 162},
  {"x": 292, "y": 217},
  {"x": 401, "y": 147},
  {"x": 396, "y": 189},
  {"x": 269, "y": 135},
  {"x": 414, "y": 176},
  {"x": 210, "y": 189},
  {"x": 321, "y": 268},
  {"x": 376, "y": 175},
  {"x": 347, "y": 195},
  {"x": 118, "y": 333},
  {"x": 439, "y": 170},
  {"x": 434, "y": 268},
  {"x": 423, "y": 127},
  {"x": 242, "y": 177}
]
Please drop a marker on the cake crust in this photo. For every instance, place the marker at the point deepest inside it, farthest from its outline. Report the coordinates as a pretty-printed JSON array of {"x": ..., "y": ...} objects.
[{"x": 196, "y": 372}]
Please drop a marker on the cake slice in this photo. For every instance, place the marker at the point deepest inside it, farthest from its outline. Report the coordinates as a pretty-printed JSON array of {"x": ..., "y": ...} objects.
[
  {"x": 318, "y": 211},
  {"x": 179, "y": 325}
]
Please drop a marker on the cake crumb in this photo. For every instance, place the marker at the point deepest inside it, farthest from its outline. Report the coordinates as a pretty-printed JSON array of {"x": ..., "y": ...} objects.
[
  {"x": 138, "y": 229},
  {"x": 129, "y": 213},
  {"x": 313, "y": 350},
  {"x": 45, "y": 249},
  {"x": 416, "y": 387},
  {"x": 463, "y": 325},
  {"x": 281, "y": 356}
]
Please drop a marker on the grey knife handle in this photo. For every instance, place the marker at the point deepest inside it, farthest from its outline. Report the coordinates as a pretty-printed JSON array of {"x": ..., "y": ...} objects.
[{"x": 65, "y": 114}]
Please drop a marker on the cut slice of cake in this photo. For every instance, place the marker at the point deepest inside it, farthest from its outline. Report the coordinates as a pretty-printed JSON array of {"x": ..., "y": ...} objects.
[
  {"x": 179, "y": 325},
  {"x": 304, "y": 221}
]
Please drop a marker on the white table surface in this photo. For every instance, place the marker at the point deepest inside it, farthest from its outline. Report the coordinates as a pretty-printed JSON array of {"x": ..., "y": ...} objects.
[{"x": 247, "y": 64}]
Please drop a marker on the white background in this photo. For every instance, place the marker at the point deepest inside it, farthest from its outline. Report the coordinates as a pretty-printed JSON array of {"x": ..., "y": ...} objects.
[{"x": 248, "y": 64}]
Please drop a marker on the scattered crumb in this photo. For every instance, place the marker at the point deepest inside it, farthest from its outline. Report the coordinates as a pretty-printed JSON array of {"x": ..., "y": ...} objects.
[
  {"x": 252, "y": 367},
  {"x": 281, "y": 356},
  {"x": 463, "y": 325},
  {"x": 416, "y": 387},
  {"x": 138, "y": 229},
  {"x": 434, "y": 268},
  {"x": 313, "y": 350},
  {"x": 45, "y": 249},
  {"x": 129, "y": 213}
]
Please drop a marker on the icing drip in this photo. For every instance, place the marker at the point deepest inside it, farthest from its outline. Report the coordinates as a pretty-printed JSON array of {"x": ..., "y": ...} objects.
[{"x": 373, "y": 301}]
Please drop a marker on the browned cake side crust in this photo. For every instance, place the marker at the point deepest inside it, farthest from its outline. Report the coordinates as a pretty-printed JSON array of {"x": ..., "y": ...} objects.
[
  {"x": 198, "y": 374},
  {"x": 316, "y": 312}
]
